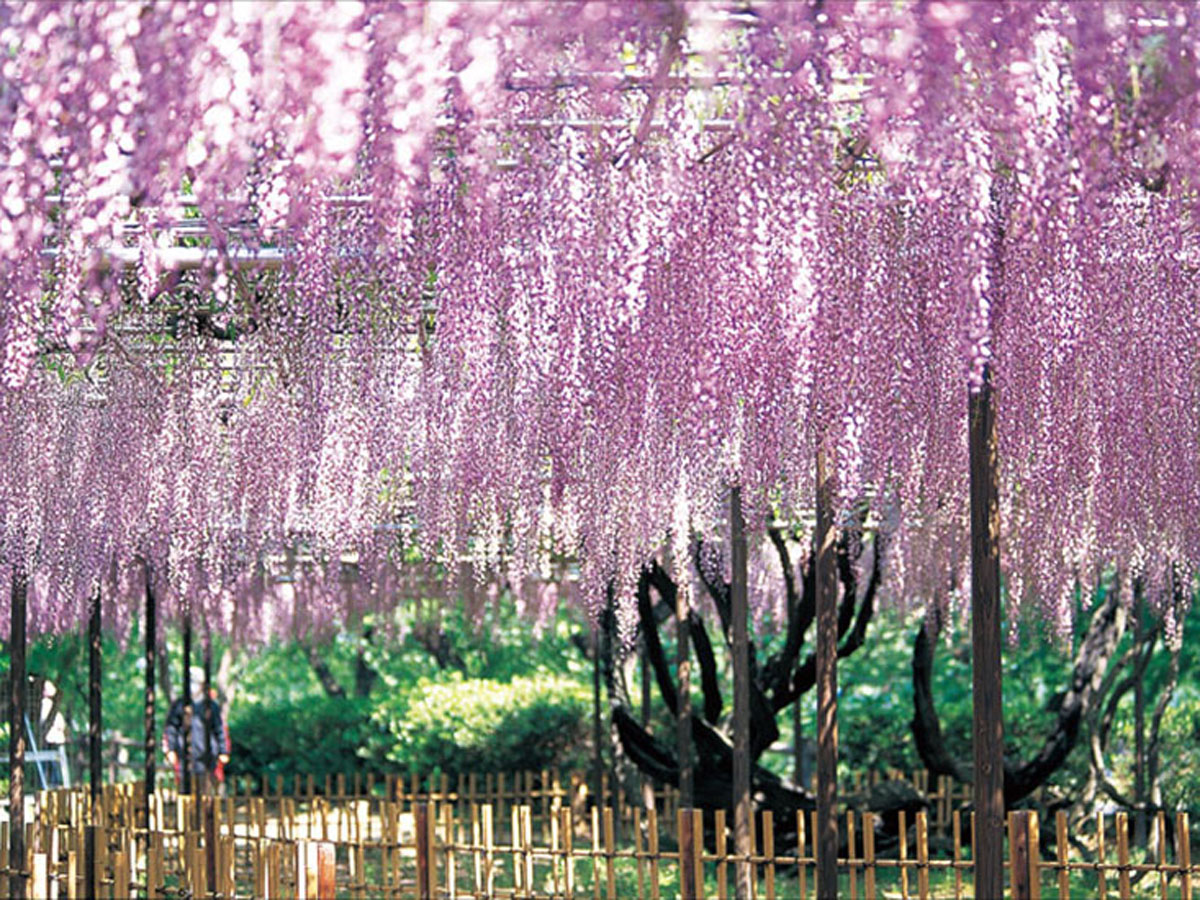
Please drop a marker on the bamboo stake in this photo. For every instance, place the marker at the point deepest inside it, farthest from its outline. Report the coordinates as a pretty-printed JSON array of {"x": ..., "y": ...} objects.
[
  {"x": 518, "y": 868},
  {"x": 1063, "y": 851},
  {"x": 476, "y": 849},
  {"x": 903, "y": 855},
  {"x": 556, "y": 851},
  {"x": 722, "y": 856},
  {"x": 610, "y": 873},
  {"x": 450, "y": 828},
  {"x": 868, "y": 830},
  {"x": 1123, "y": 855},
  {"x": 489, "y": 859},
  {"x": 850, "y": 854},
  {"x": 652, "y": 834},
  {"x": 304, "y": 878},
  {"x": 956, "y": 821},
  {"x": 1102, "y": 880},
  {"x": 258, "y": 870},
  {"x": 768, "y": 832},
  {"x": 528, "y": 826},
  {"x": 120, "y": 875},
  {"x": 595, "y": 832},
  {"x": 274, "y": 871},
  {"x": 1161, "y": 822},
  {"x": 41, "y": 875},
  {"x": 923, "y": 855},
  {"x": 568, "y": 834},
  {"x": 1183, "y": 855}
]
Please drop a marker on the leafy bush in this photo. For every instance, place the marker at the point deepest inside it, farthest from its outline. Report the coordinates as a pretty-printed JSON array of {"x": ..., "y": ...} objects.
[
  {"x": 322, "y": 735},
  {"x": 481, "y": 725}
]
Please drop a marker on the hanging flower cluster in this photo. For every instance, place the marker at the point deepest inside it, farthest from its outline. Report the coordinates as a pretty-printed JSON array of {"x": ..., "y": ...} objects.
[{"x": 543, "y": 279}]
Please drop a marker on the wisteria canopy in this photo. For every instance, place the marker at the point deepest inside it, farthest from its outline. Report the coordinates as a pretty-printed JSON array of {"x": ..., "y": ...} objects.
[{"x": 540, "y": 281}]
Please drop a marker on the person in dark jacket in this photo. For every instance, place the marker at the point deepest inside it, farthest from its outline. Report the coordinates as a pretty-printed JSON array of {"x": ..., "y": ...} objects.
[{"x": 209, "y": 736}]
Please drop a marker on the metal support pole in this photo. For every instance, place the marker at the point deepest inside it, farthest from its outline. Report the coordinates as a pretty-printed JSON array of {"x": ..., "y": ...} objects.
[
  {"x": 740, "y": 640},
  {"x": 151, "y": 729},
  {"x": 827, "y": 638},
  {"x": 95, "y": 709},
  {"x": 16, "y": 735},
  {"x": 185, "y": 758},
  {"x": 95, "y": 726},
  {"x": 206, "y": 710},
  {"x": 597, "y": 735}
]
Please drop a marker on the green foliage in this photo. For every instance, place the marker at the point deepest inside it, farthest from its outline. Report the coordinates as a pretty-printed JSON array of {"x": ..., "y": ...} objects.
[
  {"x": 318, "y": 736},
  {"x": 484, "y": 725}
]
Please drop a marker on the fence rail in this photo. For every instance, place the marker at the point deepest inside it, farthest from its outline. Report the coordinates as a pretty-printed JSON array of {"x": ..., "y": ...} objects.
[{"x": 405, "y": 845}]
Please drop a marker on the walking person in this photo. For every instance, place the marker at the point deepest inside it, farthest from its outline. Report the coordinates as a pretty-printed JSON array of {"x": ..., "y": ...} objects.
[{"x": 209, "y": 746}]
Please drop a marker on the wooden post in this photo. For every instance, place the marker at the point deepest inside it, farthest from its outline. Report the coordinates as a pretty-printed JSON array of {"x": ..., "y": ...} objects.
[
  {"x": 185, "y": 758},
  {"x": 151, "y": 729},
  {"x": 827, "y": 637},
  {"x": 740, "y": 640},
  {"x": 207, "y": 759},
  {"x": 988, "y": 709},
  {"x": 1024, "y": 848},
  {"x": 92, "y": 839},
  {"x": 688, "y": 850},
  {"x": 1139, "y": 731},
  {"x": 425, "y": 860},
  {"x": 211, "y": 832},
  {"x": 16, "y": 734},
  {"x": 683, "y": 637},
  {"x": 95, "y": 712},
  {"x": 154, "y": 866},
  {"x": 597, "y": 729},
  {"x": 326, "y": 871}
]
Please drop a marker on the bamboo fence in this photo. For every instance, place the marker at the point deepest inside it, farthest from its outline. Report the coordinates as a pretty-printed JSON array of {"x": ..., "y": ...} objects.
[{"x": 531, "y": 837}]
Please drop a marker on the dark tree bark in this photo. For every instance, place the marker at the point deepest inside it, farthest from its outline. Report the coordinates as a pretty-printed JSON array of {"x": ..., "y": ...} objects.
[
  {"x": 332, "y": 686},
  {"x": 1107, "y": 625},
  {"x": 365, "y": 675},
  {"x": 775, "y": 683}
]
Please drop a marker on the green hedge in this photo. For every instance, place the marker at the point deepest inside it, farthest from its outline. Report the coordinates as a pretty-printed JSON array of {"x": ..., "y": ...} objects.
[
  {"x": 320, "y": 736},
  {"x": 480, "y": 725}
]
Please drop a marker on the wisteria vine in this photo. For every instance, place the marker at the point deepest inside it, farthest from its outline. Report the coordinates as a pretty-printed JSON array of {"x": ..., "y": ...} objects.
[{"x": 542, "y": 280}]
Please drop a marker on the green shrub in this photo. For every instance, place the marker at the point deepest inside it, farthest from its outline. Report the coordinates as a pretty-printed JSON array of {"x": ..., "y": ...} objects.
[
  {"x": 321, "y": 736},
  {"x": 480, "y": 725}
]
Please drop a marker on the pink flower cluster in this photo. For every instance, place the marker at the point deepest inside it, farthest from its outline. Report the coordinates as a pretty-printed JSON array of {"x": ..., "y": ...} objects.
[{"x": 540, "y": 280}]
